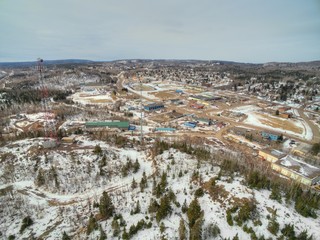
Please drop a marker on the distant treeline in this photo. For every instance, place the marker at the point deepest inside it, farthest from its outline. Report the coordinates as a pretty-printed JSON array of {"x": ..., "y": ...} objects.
[{"x": 19, "y": 96}]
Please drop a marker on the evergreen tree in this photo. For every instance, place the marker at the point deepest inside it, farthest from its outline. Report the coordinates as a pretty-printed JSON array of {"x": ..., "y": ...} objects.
[
  {"x": 315, "y": 148},
  {"x": 103, "y": 161},
  {"x": 116, "y": 227},
  {"x": 163, "y": 182},
  {"x": 154, "y": 186},
  {"x": 144, "y": 182},
  {"x": 97, "y": 150},
  {"x": 273, "y": 226},
  {"x": 103, "y": 235},
  {"x": 275, "y": 193},
  {"x": 158, "y": 191},
  {"x": 125, "y": 234},
  {"x": 65, "y": 236},
  {"x": 137, "y": 209},
  {"x": 184, "y": 207},
  {"x": 162, "y": 227},
  {"x": 288, "y": 231},
  {"x": 213, "y": 230},
  {"x": 136, "y": 166},
  {"x": 196, "y": 230},
  {"x": 133, "y": 184},
  {"x": 304, "y": 236},
  {"x": 153, "y": 206},
  {"x": 40, "y": 180},
  {"x": 194, "y": 212},
  {"x": 92, "y": 224},
  {"x": 236, "y": 237},
  {"x": 182, "y": 230},
  {"x": 106, "y": 206},
  {"x": 164, "y": 208},
  {"x": 26, "y": 222}
]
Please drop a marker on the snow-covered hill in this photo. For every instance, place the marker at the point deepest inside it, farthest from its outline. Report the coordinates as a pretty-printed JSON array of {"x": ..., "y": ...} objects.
[{"x": 60, "y": 188}]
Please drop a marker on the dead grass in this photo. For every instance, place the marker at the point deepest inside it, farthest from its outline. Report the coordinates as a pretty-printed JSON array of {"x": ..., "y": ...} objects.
[
  {"x": 222, "y": 196},
  {"x": 57, "y": 203},
  {"x": 279, "y": 123},
  {"x": 143, "y": 88},
  {"x": 164, "y": 95},
  {"x": 93, "y": 100}
]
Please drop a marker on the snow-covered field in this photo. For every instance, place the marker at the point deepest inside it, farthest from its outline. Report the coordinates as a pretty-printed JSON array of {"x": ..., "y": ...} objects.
[{"x": 91, "y": 97}]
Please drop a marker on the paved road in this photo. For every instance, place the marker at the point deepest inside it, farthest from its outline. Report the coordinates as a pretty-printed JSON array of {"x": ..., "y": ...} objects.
[{"x": 315, "y": 129}]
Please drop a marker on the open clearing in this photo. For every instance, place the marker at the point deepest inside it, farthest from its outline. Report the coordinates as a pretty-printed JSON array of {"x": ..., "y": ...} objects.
[
  {"x": 275, "y": 122},
  {"x": 165, "y": 95}
]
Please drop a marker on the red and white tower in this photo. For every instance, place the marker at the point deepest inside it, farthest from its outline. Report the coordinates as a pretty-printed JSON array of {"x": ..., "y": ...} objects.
[{"x": 49, "y": 124}]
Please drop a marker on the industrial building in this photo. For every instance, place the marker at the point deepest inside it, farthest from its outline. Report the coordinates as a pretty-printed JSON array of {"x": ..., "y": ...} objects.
[
  {"x": 165, "y": 129},
  {"x": 271, "y": 155},
  {"x": 205, "y": 96},
  {"x": 270, "y": 136},
  {"x": 197, "y": 106},
  {"x": 153, "y": 106},
  {"x": 109, "y": 124},
  {"x": 302, "y": 150},
  {"x": 190, "y": 124},
  {"x": 203, "y": 120},
  {"x": 297, "y": 170}
]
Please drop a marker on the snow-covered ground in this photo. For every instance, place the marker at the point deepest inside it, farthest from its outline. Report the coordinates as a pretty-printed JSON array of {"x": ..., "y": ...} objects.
[
  {"x": 67, "y": 207},
  {"x": 92, "y": 97},
  {"x": 256, "y": 118}
]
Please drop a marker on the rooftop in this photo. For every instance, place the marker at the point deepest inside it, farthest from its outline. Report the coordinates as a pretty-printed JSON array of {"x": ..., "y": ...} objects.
[
  {"x": 123, "y": 124},
  {"x": 274, "y": 152},
  {"x": 299, "y": 167}
]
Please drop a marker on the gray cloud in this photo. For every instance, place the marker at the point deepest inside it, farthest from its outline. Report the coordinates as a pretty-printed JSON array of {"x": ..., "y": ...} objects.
[{"x": 248, "y": 30}]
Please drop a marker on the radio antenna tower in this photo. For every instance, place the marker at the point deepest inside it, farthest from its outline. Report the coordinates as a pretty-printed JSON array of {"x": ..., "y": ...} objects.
[
  {"x": 49, "y": 124},
  {"x": 141, "y": 117}
]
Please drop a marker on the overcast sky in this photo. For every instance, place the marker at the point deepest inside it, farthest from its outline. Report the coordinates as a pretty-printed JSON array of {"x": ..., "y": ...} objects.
[{"x": 235, "y": 30}]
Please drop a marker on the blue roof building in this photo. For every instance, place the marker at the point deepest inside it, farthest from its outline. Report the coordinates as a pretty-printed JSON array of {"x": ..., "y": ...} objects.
[
  {"x": 153, "y": 106},
  {"x": 190, "y": 124},
  {"x": 270, "y": 136},
  {"x": 132, "y": 128}
]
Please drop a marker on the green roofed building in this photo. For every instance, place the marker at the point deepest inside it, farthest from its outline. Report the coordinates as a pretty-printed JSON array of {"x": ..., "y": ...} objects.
[{"x": 113, "y": 124}]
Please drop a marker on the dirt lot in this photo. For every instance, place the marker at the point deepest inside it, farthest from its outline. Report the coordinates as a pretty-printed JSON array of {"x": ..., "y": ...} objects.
[
  {"x": 144, "y": 88},
  {"x": 279, "y": 123},
  {"x": 93, "y": 100},
  {"x": 165, "y": 95}
]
